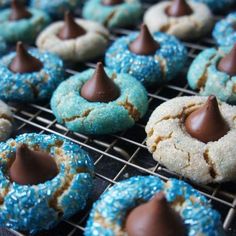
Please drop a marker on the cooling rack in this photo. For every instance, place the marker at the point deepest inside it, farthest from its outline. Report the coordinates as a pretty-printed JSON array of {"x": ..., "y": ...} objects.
[{"x": 119, "y": 156}]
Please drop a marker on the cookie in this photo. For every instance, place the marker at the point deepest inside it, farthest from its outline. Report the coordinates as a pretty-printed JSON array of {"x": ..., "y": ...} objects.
[
  {"x": 205, "y": 157},
  {"x": 82, "y": 47},
  {"x": 205, "y": 75},
  {"x": 29, "y": 76},
  {"x": 93, "y": 102},
  {"x": 154, "y": 67},
  {"x": 56, "y": 8},
  {"x": 192, "y": 21},
  {"x": 20, "y": 24},
  {"x": 51, "y": 190},
  {"x": 224, "y": 31},
  {"x": 219, "y": 5},
  {"x": 6, "y": 121},
  {"x": 113, "y": 15},
  {"x": 109, "y": 213}
]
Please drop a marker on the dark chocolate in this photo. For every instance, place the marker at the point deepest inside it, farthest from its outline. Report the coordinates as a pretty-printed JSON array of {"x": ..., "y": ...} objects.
[
  {"x": 100, "y": 88},
  {"x": 206, "y": 123},
  {"x": 23, "y": 62},
  {"x": 70, "y": 29},
  {"x": 144, "y": 44},
  {"x": 179, "y": 8},
  {"x": 32, "y": 167},
  {"x": 155, "y": 218},
  {"x": 228, "y": 63},
  {"x": 18, "y": 11},
  {"x": 112, "y": 2}
]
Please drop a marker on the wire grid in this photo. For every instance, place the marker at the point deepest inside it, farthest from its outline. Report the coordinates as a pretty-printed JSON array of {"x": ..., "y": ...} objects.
[{"x": 119, "y": 156}]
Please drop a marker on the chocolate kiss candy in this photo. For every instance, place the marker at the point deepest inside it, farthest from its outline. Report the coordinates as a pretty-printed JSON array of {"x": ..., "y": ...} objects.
[
  {"x": 179, "y": 8},
  {"x": 144, "y": 44},
  {"x": 154, "y": 218},
  {"x": 32, "y": 167},
  {"x": 112, "y": 2},
  {"x": 71, "y": 29},
  {"x": 206, "y": 123},
  {"x": 23, "y": 62},
  {"x": 228, "y": 63},
  {"x": 100, "y": 88},
  {"x": 18, "y": 11}
]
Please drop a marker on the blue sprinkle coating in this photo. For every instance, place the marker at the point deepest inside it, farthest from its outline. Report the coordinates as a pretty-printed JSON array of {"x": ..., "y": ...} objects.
[
  {"x": 224, "y": 32},
  {"x": 24, "y": 30},
  {"x": 120, "y": 15},
  {"x": 108, "y": 213},
  {"x": 36, "y": 207},
  {"x": 159, "y": 68},
  {"x": 204, "y": 75},
  {"x": 56, "y": 8},
  {"x": 219, "y": 5},
  {"x": 30, "y": 87},
  {"x": 3, "y": 46},
  {"x": 86, "y": 117}
]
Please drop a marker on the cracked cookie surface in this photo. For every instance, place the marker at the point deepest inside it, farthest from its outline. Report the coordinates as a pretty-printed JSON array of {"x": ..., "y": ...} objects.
[
  {"x": 6, "y": 121},
  {"x": 157, "y": 69},
  {"x": 108, "y": 214},
  {"x": 120, "y": 15},
  {"x": 83, "y": 48},
  {"x": 173, "y": 147},
  {"x": 30, "y": 87},
  {"x": 191, "y": 26},
  {"x": 86, "y": 117},
  {"x": 36, "y": 207},
  {"x": 24, "y": 30},
  {"x": 224, "y": 31},
  {"x": 203, "y": 75}
]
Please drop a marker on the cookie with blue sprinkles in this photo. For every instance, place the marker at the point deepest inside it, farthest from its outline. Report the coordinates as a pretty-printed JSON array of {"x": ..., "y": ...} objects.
[
  {"x": 98, "y": 102},
  {"x": 44, "y": 179},
  {"x": 224, "y": 31},
  {"x": 29, "y": 76},
  {"x": 151, "y": 66},
  {"x": 111, "y": 214},
  {"x": 56, "y": 8},
  {"x": 113, "y": 14},
  {"x": 21, "y": 24},
  {"x": 219, "y": 5},
  {"x": 205, "y": 75}
]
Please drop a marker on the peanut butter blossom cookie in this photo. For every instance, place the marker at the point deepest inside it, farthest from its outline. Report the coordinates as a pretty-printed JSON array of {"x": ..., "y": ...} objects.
[
  {"x": 99, "y": 102},
  {"x": 224, "y": 32},
  {"x": 29, "y": 76},
  {"x": 184, "y": 19},
  {"x": 21, "y": 24},
  {"x": 214, "y": 72},
  {"x": 197, "y": 133},
  {"x": 219, "y": 5},
  {"x": 74, "y": 39},
  {"x": 56, "y": 8},
  {"x": 152, "y": 59},
  {"x": 44, "y": 179},
  {"x": 145, "y": 205},
  {"x": 113, "y": 13},
  {"x": 6, "y": 121}
]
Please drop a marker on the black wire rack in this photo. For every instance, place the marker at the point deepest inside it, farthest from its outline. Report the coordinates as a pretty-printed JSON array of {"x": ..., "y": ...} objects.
[{"x": 120, "y": 156}]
